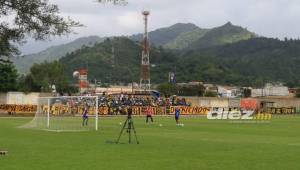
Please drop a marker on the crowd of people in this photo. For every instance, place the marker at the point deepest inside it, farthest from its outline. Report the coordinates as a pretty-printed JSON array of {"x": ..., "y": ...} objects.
[
  {"x": 117, "y": 103},
  {"x": 121, "y": 103},
  {"x": 130, "y": 100}
]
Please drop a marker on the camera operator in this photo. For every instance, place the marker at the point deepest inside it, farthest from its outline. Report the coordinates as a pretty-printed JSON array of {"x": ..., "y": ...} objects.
[{"x": 129, "y": 112}]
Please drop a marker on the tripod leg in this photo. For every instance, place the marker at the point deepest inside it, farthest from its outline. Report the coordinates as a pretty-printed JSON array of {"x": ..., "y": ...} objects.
[
  {"x": 137, "y": 141},
  {"x": 129, "y": 129},
  {"x": 122, "y": 131},
  {"x": 129, "y": 134}
]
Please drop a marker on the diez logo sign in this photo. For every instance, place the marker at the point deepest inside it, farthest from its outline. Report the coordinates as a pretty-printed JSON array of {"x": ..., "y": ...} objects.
[{"x": 222, "y": 114}]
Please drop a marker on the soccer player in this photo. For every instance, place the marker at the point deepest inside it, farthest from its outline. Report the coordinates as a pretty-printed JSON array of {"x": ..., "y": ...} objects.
[
  {"x": 85, "y": 116},
  {"x": 149, "y": 114},
  {"x": 177, "y": 115}
]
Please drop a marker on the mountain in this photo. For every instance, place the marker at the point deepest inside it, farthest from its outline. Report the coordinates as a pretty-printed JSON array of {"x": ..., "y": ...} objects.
[
  {"x": 181, "y": 36},
  {"x": 251, "y": 62},
  {"x": 227, "y": 54},
  {"x": 158, "y": 37},
  {"x": 184, "y": 40},
  {"x": 24, "y": 63},
  {"x": 122, "y": 67},
  {"x": 163, "y": 36},
  {"x": 225, "y": 34},
  {"x": 189, "y": 36}
]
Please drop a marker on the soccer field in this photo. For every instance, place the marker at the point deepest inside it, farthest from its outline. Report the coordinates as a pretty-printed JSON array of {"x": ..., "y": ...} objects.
[{"x": 200, "y": 144}]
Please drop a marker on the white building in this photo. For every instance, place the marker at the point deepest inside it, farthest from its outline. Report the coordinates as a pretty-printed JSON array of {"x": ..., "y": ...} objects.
[
  {"x": 228, "y": 92},
  {"x": 21, "y": 98},
  {"x": 271, "y": 90}
]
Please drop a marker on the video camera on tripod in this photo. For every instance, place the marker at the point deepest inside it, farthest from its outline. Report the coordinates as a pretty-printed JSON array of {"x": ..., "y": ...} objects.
[
  {"x": 128, "y": 125},
  {"x": 129, "y": 112}
]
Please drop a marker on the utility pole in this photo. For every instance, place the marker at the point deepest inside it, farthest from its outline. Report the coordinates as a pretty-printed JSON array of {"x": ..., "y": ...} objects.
[{"x": 113, "y": 61}]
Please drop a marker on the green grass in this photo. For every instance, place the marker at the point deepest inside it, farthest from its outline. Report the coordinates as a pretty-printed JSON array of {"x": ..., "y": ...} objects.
[{"x": 200, "y": 144}]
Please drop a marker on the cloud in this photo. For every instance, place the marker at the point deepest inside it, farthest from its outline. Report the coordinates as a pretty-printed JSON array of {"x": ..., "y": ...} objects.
[
  {"x": 130, "y": 21},
  {"x": 280, "y": 18}
]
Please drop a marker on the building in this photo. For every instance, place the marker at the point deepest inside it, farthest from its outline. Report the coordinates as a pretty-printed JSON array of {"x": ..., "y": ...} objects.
[
  {"x": 271, "y": 90},
  {"x": 228, "y": 91},
  {"x": 211, "y": 87},
  {"x": 114, "y": 89}
]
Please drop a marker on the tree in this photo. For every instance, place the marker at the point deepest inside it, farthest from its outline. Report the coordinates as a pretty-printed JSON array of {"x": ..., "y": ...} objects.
[
  {"x": 170, "y": 89},
  {"x": 298, "y": 93},
  {"x": 43, "y": 76},
  {"x": 194, "y": 90},
  {"x": 247, "y": 92},
  {"x": 26, "y": 84},
  {"x": 34, "y": 18},
  {"x": 8, "y": 77},
  {"x": 210, "y": 94},
  {"x": 167, "y": 89}
]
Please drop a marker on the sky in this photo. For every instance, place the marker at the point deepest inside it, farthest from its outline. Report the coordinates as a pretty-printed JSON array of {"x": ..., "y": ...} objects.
[{"x": 269, "y": 18}]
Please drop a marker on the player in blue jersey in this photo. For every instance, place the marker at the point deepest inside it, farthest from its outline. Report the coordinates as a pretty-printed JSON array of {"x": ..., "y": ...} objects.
[
  {"x": 177, "y": 115},
  {"x": 85, "y": 116}
]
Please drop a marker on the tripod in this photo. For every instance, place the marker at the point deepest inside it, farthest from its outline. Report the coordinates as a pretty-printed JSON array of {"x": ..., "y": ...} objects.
[{"x": 130, "y": 126}]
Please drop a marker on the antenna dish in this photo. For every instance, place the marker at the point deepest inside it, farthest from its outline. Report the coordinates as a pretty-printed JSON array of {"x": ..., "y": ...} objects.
[{"x": 145, "y": 12}]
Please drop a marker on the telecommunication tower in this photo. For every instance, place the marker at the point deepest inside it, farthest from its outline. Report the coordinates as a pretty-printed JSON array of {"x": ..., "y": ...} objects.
[{"x": 145, "y": 65}]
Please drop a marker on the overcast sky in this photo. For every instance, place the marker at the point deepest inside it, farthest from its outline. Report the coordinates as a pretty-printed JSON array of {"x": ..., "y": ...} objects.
[{"x": 270, "y": 18}]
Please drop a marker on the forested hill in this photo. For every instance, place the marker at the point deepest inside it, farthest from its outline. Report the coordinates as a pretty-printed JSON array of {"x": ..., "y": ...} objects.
[
  {"x": 179, "y": 36},
  {"x": 249, "y": 62},
  {"x": 189, "y": 36},
  {"x": 162, "y": 36},
  {"x": 124, "y": 67},
  {"x": 225, "y": 34},
  {"x": 24, "y": 63}
]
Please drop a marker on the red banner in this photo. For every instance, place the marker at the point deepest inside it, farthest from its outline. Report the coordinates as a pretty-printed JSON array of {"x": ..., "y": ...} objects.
[{"x": 249, "y": 104}]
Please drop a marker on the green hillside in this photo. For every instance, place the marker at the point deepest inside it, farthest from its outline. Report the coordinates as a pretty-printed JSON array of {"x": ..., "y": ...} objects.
[
  {"x": 24, "y": 63},
  {"x": 163, "y": 36},
  {"x": 224, "y": 55},
  {"x": 225, "y": 34},
  {"x": 188, "y": 36},
  {"x": 98, "y": 60},
  {"x": 179, "y": 36},
  {"x": 249, "y": 62},
  {"x": 184, "y": 40}
]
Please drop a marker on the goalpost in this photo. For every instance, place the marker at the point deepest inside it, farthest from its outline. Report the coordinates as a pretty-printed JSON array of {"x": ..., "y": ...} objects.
[{"x": 65, "y": 113}]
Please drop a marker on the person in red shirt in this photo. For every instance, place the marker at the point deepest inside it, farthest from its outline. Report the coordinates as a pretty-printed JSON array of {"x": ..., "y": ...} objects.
[{"x": 149, "y": 113}]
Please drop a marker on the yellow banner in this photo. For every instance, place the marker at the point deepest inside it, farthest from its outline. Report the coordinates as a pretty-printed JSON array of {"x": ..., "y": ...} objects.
[
  {"x": 13, "y": 108},
  {"x": 188, "y": 110},
  {"x": 60, "y": 109},
  {"x": 281, "y": 110}
]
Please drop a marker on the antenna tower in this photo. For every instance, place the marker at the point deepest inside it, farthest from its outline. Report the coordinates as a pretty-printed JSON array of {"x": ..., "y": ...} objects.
[{"x": 145, "y": 65}]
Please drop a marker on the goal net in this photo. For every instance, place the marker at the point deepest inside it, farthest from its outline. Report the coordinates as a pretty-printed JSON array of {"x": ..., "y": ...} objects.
[{"x": 66, "y": 113}]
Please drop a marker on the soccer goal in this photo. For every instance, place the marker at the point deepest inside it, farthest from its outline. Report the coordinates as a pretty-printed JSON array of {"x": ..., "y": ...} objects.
[{"x": 65, "y": 113}]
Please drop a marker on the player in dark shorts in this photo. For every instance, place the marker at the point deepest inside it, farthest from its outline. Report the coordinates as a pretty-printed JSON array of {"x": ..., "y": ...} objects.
[
  {"x": 177, "y": 115},
  {"x": 85, "y": 117},
  {"x": 149, "y": 113}
]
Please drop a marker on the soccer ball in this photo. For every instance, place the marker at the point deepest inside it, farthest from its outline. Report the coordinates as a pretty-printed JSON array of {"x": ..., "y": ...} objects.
[
  {"x": 160, "y": 125},
  {"x": 120, "y": 123},
  {"x": 75, "y": 74},
  {"x": 182, "y": 124}
]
